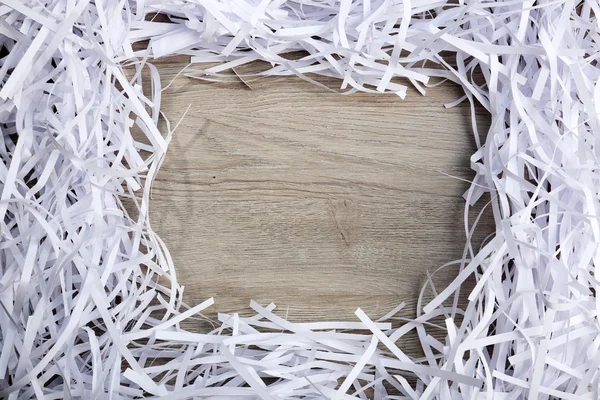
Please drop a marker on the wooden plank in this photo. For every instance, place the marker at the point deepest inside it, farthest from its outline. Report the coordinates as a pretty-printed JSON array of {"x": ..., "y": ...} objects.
[{"x": 319, "y": 202}]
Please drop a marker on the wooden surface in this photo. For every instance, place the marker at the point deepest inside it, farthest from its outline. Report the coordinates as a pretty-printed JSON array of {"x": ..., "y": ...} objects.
[{"x": 319, "y": 202}]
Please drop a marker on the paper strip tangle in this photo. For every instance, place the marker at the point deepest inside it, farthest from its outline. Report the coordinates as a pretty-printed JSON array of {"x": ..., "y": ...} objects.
[{"x": 82, "y": 314}]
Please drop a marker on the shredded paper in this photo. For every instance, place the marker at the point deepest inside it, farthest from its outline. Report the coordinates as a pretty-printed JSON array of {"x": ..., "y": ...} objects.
[{"x": 90, "y": 307}]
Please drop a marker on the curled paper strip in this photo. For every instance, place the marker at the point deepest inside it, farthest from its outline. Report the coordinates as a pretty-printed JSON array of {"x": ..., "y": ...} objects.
[{"x": 90, "y": 304}]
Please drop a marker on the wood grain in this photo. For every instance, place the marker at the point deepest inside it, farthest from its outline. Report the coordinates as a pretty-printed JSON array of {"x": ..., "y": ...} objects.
[{"x": 316, "y": 201}]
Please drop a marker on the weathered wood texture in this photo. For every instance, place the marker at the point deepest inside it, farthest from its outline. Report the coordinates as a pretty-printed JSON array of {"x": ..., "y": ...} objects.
[{"x": 319, "y": 202}]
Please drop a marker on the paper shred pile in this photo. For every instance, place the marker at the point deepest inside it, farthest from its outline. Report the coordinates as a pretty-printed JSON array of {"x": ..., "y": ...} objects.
[{"x": 82, "y": 313}]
